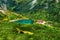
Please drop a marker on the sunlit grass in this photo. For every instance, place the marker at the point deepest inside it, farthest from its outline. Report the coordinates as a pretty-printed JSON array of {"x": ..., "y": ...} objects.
[{"x": 40, "y": 32}]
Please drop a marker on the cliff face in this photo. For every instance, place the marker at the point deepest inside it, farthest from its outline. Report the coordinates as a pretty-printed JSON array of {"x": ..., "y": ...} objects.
[
  {"x": 17, "y": 5},
  {"x": 25, "y": 5}
]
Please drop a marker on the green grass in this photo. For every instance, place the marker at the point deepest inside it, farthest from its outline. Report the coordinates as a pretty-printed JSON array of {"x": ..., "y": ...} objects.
[
  {"x": 41, "y": 32},
  {"x": 8, "y": 31}
]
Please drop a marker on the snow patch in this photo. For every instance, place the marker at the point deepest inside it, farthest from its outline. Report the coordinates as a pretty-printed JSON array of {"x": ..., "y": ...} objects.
[{"x": 33, "y": 4}]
